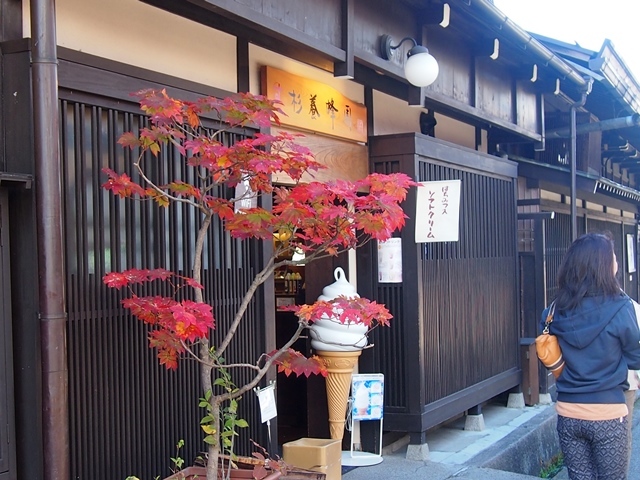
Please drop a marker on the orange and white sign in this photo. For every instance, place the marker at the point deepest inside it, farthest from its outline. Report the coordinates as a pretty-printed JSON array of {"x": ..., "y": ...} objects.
[{"x": 314, "y": 106}]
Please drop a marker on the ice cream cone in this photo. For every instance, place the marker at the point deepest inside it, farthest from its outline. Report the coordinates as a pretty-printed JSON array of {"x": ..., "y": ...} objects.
[{"x": 340, "y": 367}]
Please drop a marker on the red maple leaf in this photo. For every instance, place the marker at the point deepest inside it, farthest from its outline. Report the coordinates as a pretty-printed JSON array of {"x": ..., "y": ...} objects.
[
  {"x": 121, "y": 185},
  {"x": 152, "y": 310},
  {"x": 168, "y": 346},
  {"x": 115, "y": 280},
  {"x": 159, "y": 274},
  {"x": 291, "y": 361},
  {"x": 344, "y": 309},
  {"x": 192, "y": 320}
]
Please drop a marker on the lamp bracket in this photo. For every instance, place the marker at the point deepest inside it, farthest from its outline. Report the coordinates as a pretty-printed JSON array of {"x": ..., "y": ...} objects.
[{"x": 386, "y": 47}]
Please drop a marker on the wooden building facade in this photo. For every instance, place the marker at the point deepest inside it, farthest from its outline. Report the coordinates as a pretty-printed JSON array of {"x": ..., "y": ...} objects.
[{"x": 79, "y": 370}]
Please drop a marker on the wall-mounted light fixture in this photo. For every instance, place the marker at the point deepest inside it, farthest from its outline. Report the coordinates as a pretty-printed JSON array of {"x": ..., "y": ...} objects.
[{"x": 420, "y": 68}]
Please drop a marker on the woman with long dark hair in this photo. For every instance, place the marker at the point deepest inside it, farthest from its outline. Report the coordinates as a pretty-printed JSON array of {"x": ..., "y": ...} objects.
[{"x": 595, "y": 323}]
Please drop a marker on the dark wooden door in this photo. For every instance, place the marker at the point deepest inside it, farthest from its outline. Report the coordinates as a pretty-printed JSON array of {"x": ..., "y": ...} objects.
[{"x": 7, "y": 440}]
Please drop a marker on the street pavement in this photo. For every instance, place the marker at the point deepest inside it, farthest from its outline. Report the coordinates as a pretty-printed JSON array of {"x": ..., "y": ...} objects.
[
  {"x": 634, "y": 468},
  {"x": 516, "y": 439}
]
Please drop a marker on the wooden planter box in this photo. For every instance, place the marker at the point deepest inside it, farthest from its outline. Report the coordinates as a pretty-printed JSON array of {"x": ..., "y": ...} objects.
[
  {"x": 200, "y": 473},
  {"x": 302, "y": 474},
  {"x": 319, "y": 455}
]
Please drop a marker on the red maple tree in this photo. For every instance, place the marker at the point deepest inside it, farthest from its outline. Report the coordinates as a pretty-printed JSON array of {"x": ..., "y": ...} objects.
[{"x": 317, "y": 218}]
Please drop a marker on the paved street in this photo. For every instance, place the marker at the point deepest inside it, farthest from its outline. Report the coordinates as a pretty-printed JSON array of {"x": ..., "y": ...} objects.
[
  {"x": 452, "y": 446},
  {"x": 634, "y": 469}
]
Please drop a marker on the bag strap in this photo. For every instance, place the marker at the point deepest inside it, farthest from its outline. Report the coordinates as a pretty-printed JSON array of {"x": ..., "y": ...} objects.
[{"x": 552, "y": 309}]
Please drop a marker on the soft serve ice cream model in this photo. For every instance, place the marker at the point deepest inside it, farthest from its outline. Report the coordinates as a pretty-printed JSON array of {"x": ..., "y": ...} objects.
[
  {"x": 339, "y": 345},
  {"x": 329, "y": 334}
]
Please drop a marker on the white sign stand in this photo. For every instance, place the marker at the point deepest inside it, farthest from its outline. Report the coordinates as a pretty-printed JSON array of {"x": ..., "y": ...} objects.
[
  {"x": 367, "y": 400},
  {"x": 267, "y": 401}
]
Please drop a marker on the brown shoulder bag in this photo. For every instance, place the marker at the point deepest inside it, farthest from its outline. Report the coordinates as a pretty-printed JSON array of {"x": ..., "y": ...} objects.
[{"x": 548, "y": 348}]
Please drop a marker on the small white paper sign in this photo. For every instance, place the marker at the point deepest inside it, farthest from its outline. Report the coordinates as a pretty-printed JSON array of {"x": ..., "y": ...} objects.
[
  {"x": 438, "y": 211},
  {"x": 267, "y": 401},
  {"x": 390, "y": 261},
  {"x": 247, "y": 198},
  {"x": 631, "y": 253}
]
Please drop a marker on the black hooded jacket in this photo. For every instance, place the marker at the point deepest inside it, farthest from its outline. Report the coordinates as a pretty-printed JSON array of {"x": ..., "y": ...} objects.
[{"x": 600, "y": 343}]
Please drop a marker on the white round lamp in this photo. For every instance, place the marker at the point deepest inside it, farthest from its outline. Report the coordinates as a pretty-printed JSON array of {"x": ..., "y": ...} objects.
[{"x": 420, "y": 67}]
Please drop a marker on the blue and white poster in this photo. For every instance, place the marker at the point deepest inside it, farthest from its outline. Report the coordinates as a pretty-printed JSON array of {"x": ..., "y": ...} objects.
[{"x": 367, "y": 390}]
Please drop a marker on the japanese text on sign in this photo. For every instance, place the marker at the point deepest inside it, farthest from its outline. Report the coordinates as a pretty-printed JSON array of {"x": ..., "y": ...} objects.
[
  {"x": 315, "y": 106},
  {"x": 438, "y": 211}
]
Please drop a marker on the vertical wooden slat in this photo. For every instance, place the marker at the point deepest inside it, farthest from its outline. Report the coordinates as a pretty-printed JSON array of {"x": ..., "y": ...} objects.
[
  {"x": 127, "y": 413},
  {"x": 468, "y": 291}
]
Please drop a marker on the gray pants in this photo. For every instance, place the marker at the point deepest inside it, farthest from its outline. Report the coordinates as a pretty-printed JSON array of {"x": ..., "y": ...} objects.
[{"x": 594, "y": 450}]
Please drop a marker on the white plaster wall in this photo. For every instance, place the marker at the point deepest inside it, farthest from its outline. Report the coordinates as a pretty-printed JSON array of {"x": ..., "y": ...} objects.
[
  {"x": 135, "y": 33},
  {"x": 392, "y": 115},
  {"x": 456, "y": 132}
]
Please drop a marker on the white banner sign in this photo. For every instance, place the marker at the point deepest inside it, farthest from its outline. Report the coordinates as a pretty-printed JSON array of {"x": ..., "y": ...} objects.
[{"x": 438, "y": 211}]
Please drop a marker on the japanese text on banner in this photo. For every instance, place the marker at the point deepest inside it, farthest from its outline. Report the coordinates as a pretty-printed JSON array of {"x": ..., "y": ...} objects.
[{"x": 438, "y": 211}]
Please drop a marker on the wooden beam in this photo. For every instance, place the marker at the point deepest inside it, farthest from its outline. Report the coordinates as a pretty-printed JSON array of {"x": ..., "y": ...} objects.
[
  {"x": 264, "y": 25},
  {"x": 462, "y": 111},
  {"x": 258, "y": 29},
  {"x": 369, "y": 105},
  {"x": 345, "y": 69},
  {"x": 81, "y": 72},
  {"x": 536, "y": 215},
  {"x": 383, "y": 83},
  {"x": 442, "y": 410},
  {"x": 242, "y": 64},
  {"x": 414, "y": 96},
  {"x": 540, "y": 145},
  {"x": 10, "y": 20}
]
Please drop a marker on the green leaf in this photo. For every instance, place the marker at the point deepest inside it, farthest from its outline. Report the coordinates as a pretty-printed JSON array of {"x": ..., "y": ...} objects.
[
  {"x": 242, "y": 423},
  {"x": 209, "y": 440},
  {"x": 206, "y": 419}
]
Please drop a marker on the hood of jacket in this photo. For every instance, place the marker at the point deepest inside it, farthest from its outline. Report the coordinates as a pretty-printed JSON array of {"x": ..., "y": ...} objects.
[{"x": 581, "y": 326}]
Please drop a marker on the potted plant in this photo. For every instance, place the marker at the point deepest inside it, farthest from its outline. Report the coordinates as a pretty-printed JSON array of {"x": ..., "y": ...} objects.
[{"x": 319, "y": 219}]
